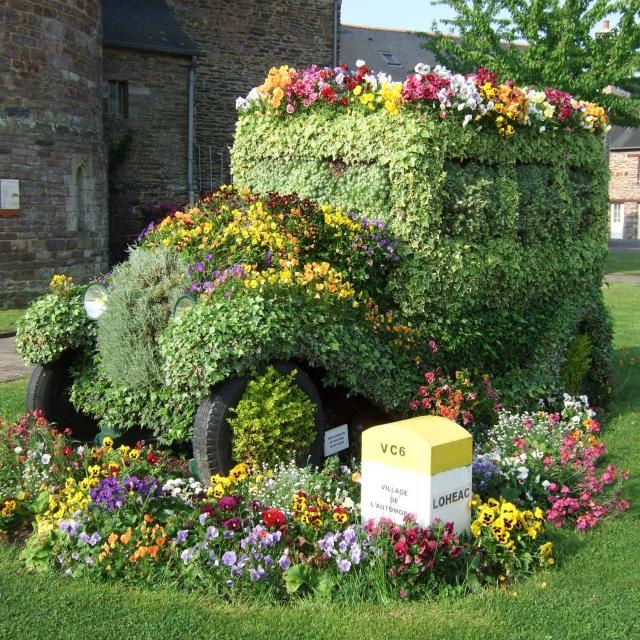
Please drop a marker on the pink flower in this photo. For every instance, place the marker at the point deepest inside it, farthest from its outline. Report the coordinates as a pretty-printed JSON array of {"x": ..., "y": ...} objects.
[
  {"x": 429, "y": 376},
  {"x": 290, "y": 108}
]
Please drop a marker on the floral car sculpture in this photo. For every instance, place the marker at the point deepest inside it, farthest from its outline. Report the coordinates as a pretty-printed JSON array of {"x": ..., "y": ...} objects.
[{"x": 453, "y": 208}]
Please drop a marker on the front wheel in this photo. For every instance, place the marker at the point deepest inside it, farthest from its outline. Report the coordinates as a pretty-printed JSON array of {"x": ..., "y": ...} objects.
[
  {"x": 212, "y": 433},
  {"x": 48, "y": 390}
]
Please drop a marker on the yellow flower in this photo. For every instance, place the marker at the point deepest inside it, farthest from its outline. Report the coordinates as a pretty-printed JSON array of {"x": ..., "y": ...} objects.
[
  {"x": 134, "y": 454},
  {"x": 357, "y": 90},
  {"x": 218, "y": 491},
  {"x": 476, "y": 528},
  {"x": 538, "y": 513},
  {"x": 486, "y": 515},
  {"x": 107, "y": 443},
  {"x": 546, "y": 549}
]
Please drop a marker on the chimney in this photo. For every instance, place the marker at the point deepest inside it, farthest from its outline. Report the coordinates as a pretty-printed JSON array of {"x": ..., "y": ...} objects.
[{"x": 604, "y": 29}]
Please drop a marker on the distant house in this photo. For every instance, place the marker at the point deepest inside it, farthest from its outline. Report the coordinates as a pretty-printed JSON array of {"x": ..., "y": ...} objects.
[
  {"x": 624, "y": 187},
  {"x": 396, "y": 52}
]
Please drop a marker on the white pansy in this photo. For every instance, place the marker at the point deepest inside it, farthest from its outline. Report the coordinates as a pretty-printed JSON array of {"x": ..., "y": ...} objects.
[
  {"x": 360, "y": 63},
  {"x": 45, "y": 459}
]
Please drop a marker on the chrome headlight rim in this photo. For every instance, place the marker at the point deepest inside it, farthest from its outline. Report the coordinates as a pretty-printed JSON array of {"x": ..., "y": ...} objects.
[
  {"x": 182, "y": 305},
  {"x": 94, "y": 300}
]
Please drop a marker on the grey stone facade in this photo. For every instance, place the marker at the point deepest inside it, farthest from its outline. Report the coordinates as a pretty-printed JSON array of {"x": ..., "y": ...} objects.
[{"x": 51, "y": 141}]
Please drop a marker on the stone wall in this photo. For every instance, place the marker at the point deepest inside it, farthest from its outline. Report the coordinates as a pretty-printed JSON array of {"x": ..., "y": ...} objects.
[
  {"x": 51, "y": 141},
  {"x": 151, "y": 167},
  {"x": 624, "y": 187},
  {"x": 240, "y": 41}
]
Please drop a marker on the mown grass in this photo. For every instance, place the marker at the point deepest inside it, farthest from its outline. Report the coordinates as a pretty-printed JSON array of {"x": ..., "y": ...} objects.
[
  {"x": 626, "y": 262},
  {"x": 593, "y": 593},
  {"x": 13, "y": 398},
  {"x": 9, "y": 318}
]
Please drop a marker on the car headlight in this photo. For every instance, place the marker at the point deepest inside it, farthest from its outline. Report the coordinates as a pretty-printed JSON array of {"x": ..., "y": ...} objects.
[
  {"x": 182, "y": 305},
  {"x": 95, "y": 300}
]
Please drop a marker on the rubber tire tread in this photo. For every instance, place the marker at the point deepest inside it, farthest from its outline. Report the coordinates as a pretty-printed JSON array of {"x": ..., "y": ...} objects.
[
  {"x": 44, "y": 386},
  {"x": 211, "y": 431}
]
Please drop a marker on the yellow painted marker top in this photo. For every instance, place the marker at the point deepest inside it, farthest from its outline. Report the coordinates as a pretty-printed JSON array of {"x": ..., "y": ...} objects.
[{"x": 427, "y": 444}]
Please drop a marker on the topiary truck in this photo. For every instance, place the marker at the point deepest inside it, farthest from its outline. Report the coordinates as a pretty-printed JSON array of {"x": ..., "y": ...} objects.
[{"x": 462, "y": 210}]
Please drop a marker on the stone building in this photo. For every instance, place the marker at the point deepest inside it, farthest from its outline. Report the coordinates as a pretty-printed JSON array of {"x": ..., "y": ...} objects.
[
  {"x": 52, "y": 160},
  {"x": 139, "y": 114},
  {"x": 624, "y": 187}
]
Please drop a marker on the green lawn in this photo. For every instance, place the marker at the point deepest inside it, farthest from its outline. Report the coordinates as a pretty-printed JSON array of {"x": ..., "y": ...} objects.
[
  {"x": 9, "y": 318},
  {"x": 13, "y": 398},
  {"x": 593, "y": 593},
  {"x": 626, "y": 262}
]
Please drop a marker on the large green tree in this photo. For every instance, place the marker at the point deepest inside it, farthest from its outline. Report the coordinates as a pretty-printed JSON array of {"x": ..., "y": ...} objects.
[{"x": 550, "y": 43}]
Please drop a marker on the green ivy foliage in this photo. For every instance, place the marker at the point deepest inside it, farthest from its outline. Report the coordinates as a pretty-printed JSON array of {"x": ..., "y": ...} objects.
[
  {"x": 52, "y": 325},
  {"x": 165, "y": 412},
  {"x": 229, "y": 337},
  {"x": 274, "y": 420},
  {"x": 503, "y": 238}
]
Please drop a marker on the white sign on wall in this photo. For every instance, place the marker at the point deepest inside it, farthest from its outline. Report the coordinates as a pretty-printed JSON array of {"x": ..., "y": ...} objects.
[
  {"x": 9, "y": 194},
  {"x": 420, "y": 466}
]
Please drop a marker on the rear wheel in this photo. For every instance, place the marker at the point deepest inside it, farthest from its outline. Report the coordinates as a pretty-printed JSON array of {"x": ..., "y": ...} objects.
[
  {"x": 48, "y": 390},
  {"x": 212, "y": 433}
]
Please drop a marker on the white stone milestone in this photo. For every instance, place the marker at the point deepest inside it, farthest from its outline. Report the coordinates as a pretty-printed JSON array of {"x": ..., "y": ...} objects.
[{"x": 420, "y": 466}]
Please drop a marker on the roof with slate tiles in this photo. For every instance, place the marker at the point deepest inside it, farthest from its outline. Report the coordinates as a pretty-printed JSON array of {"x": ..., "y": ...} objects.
[
  {"x": 624, "y": 138},
  {"x": 144, "y": 24},
  {"x": 369, "y": 44}
]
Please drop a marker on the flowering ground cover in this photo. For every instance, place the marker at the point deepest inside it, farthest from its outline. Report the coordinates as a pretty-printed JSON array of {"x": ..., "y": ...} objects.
[{"x": 593, "y": 570}]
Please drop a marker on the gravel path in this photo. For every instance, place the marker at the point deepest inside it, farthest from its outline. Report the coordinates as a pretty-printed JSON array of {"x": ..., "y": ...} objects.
[{"x": 11, "y": 367}]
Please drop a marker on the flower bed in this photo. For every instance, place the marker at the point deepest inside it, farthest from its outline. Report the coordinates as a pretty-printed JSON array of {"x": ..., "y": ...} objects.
[{"x": 279, "y": 530}]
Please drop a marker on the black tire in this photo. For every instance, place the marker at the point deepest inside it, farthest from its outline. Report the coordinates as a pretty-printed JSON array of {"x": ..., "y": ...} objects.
[
  {"x": 48, "y": 390},
  {"x": 211, "y": 431}
]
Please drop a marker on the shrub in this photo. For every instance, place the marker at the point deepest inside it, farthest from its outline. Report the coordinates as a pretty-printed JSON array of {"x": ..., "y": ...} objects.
[
  {"x": 142, "y": 293},
  {"x": 576, "y": 365},
  {"x": 53, "y": 324},
  {"x": 274, "y": 419}
]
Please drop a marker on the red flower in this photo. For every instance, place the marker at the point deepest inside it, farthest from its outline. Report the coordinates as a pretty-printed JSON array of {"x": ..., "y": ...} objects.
[
  {"x": 152, "y": 458},
  {"x": 67, "y": 450},
  {"x": 273, "y": 517},
  {"x": 400, "y": 549},
  {"x": 233, "y": 524},
  {"x": 412, "y": 536}
]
